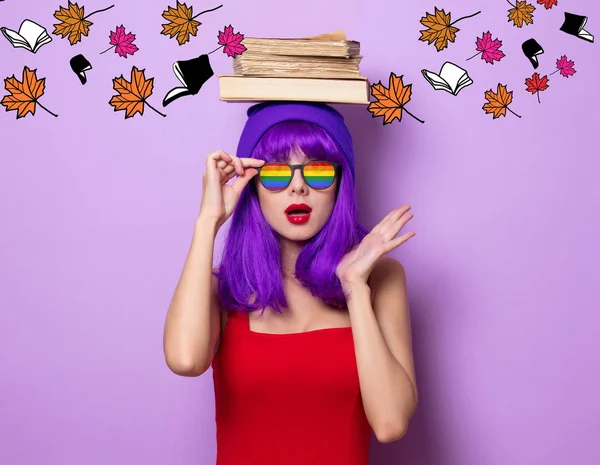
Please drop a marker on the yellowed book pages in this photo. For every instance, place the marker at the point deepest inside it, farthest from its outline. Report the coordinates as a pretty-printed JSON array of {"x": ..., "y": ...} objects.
[
  {"x": 328, "y": 44},
  {"x": 275, "y": 65}
]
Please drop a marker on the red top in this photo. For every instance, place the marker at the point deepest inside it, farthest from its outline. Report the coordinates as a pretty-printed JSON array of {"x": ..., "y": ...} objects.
[{"x": 290, "y": 399}]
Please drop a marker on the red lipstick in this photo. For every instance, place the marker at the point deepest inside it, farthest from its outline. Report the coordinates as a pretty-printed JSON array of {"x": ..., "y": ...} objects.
[{"x": 298, "y": 213}]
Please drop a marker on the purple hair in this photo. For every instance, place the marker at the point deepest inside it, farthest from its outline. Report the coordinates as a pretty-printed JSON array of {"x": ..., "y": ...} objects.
[{"x": 251, "y": 261}]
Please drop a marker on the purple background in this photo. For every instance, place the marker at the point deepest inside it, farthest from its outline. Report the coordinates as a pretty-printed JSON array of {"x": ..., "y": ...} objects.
[{"x": 97, "y": 217}]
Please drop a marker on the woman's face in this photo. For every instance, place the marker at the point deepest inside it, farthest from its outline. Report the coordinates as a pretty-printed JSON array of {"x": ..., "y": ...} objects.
[{"x": 274, "y": 204}]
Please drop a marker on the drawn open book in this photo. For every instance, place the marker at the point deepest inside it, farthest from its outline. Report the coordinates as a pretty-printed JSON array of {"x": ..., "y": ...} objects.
[
  {"x": 452, "y": 78},
  {"x": 574, "y": 25},
  {"x": 30, "y": 36},
  {"x": 193, "y": 74},
  {"x": 531, "y": 49}
]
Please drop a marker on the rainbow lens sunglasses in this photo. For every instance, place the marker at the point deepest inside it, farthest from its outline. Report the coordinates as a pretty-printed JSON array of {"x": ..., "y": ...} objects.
[{"x": 318, "y": 174}]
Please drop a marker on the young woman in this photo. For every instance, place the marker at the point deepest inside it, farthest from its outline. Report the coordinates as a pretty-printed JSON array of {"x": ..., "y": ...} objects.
[{"x": 327, "y": 360}]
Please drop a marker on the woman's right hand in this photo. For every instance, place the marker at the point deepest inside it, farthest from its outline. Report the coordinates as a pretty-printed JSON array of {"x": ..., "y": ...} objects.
[{"x": 218, "y": 198}]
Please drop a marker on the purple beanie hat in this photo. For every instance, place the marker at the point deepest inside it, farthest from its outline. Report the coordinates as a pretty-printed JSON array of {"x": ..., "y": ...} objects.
[{"x": 266, "y": 114}]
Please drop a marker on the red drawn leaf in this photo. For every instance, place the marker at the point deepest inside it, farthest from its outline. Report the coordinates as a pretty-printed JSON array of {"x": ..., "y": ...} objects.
[
  {"x": 231, "y": 41},
  {"x": 548, "y": 3},
  {"x": 535, "y": 85}
]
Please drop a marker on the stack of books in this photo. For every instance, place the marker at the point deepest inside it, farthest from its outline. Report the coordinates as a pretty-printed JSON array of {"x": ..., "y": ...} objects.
[{"x": 322, "y": 68}]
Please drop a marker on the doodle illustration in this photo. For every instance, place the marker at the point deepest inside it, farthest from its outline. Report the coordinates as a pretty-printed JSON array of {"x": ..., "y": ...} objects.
[
  {"x": 230, "y": 42},
  {"x": 73, "y": 22},
  {"x": 535, "y": 85},
  {"x": 192, "y": 74},
  {"x": 548, "y": 3},
  {"x": 521, "y": 12},
  {"x": 195, "y": 72},
  {"x": 531, "y": 49},
  {"x": 452, "y": 78},
  {"x": 489, "y": 49},
  {"x": 79, "y": 65},
  {"x": 439, "y": 28},
  {"x": 497, "y": 103},
  {"x": 573, "y": 25},
  {"x": 391, "y": 101},
  {"x": 565, "y": 67},
  {"x": 122, "y": 43},
  {"x": 182, "y": 22},
  {"x": 132, "y": 95},
  {"x": 31, "y": 36},
  {"x": 24, "y": 95}
]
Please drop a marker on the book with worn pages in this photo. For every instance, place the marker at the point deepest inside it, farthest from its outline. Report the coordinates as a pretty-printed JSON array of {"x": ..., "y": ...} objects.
[
  {"x": 321, "y": 68},
  {"x": 259, "y": 64}
]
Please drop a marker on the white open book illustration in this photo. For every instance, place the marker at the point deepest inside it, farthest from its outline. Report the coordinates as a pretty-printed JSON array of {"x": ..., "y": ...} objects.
[
  {"x": 452, "y": 78},
  {"x": 30, "y": 36}
]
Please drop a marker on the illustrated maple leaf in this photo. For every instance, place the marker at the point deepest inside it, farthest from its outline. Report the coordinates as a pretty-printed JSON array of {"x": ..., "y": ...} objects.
[
  {"x": 535, "y": 85},
  {"x": 231, "y": 42},
  {"x": 497, "y": 103},
  {"x": 132, "y": 95},
  {"x": 182, "y": 22},
  {"x": 521, "y": 13},
  {"x": 565, "y": 67},
  {"x": 391, "y": 101},
  {"x": 439, "y": 28},
  {"x": 24, "y": 95},
  {"x": 123, "y": 43},
  {"x": 73, "y": 22},
  {"x": 548, "y": 3},
  {"x": 489, "y": 49}
]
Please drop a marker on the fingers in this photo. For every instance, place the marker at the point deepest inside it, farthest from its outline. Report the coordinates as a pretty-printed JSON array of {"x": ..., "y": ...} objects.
[
  {"x": 400, "y": 240},
  {"x": 228, "y": 162},
  {"x": 241, "y": 181},
  {"x": 390, "y": 218},
  {"x": 400, "y": 219}
]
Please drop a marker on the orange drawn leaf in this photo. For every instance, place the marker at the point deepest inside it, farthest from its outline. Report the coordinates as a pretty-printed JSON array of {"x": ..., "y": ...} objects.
[
  {"x": 132, "y": 95},
  {"x": 498, "y": 102},
  {"x": 521, "y": 13},
  {"x": 181, "y": 23},
  {"x": 391, "y": 101},
  {"x": 439, "y": 28},
  {"x": 73, "y": 22},
  {"x": 24, "y": 95}
]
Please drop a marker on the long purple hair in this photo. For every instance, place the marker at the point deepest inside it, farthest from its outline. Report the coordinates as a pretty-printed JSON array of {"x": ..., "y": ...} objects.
[{"x": 251, "y": 261}]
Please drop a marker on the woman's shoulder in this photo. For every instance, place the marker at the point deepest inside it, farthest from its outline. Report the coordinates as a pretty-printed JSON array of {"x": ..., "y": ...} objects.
[{"x": 384, "y": 268}]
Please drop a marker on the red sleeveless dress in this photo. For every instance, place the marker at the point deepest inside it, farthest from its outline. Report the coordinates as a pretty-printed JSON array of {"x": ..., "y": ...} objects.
[{"x": 288, "y": 399}]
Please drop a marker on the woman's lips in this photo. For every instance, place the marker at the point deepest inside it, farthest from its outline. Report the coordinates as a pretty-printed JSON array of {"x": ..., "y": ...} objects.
[{"x": 298, "y": 218}]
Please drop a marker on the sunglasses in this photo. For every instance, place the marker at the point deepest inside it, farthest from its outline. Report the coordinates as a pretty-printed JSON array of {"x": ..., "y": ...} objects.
[{"x": 318, "y": 174}]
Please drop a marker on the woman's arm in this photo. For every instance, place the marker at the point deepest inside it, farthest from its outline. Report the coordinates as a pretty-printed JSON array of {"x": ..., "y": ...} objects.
[{"x": 193, "y": 322}]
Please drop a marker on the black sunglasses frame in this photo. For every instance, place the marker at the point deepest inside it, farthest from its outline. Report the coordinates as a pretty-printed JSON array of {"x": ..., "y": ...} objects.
[{"x": 337, "y": 167}]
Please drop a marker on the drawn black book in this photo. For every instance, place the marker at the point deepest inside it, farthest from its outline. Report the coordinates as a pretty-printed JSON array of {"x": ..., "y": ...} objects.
[
  {"x": 80, "y": 65},
  {"x": 30, "y": 36},
  {"x": 531, "y": 49},
  {"x": 452, "y": 78},
  {"x": 574, "y": 24},
  {"x": 192, "y": 74}
]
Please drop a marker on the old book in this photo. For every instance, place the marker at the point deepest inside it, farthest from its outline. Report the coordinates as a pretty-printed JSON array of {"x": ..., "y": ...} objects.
[
  {"x": 283, "y": 65},
  {"x": 333, "y": 44},
  {"x": 237, "y": 88}
]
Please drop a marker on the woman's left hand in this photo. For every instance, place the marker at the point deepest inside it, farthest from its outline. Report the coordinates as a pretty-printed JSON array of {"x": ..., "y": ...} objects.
[{"x": 356, "y": 265}]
